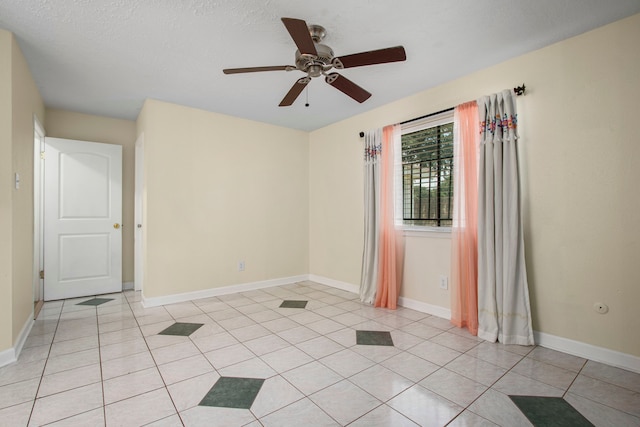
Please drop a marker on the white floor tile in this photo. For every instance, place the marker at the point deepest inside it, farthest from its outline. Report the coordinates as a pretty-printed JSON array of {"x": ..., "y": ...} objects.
[
  {"x": 189, "y": 393},
  {"x": 515, "y": 384},
  {"x": 20, "y": 392},
  {"x": 174, "y": 352},
  {"x": 320, "y": 347},
  {"x": 21, "y": 371},
  {"x": 499, "y": 409},
  {"x": 410, "y": 366},
  {"x": 67, "y": 380},
  {"x": 424, "y": 407},
  {"x": 454, "y": 387},
  {"x": 383, "y": 416},
  {"x": 545, "y": 373},
  {"x": 229, "y": 355},
  {"x": 140, "y": 410},
  {"x": 202, "y": 416},
  {"x": 127, "y": 365},
  {"x": 94, "y": 417},
  {"x": 126, "y": 386},
  {"x": 312, "y": 377},
  {"x": 346, "y": 362},
  {"x": 274, "y": 394},
  {"x": 469, "y": 419},
  {"x": 266, "y": 344},
  {"x": 434, "y": 353},
  {"x": 381, "y": 382},
  {"x": 476, "y": 369},
  {"x": 601, "y": 415},
  {"x": 69, "y": 403},
  {"x": 252, "y": 368},
  {"x": 183, "y": 369},
  {"x": 287, "y": 358},
  {"x": 17, "y": 415},
  {"x": 344, "y": 401},
  {"x": 611, "y": 395},
  {"x": 612, "y": 375},
  {"x": 298, "y": 335},
  {"x": 556, "y": 358},
  {"x": 302, "y": 413}
]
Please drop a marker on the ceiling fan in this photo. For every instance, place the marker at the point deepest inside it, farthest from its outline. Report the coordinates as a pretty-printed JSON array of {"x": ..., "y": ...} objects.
[{"x": 315, "y": 59}]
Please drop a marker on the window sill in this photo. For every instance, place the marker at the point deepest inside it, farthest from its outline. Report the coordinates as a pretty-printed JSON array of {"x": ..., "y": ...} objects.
[{"x": 427, "y": 232}]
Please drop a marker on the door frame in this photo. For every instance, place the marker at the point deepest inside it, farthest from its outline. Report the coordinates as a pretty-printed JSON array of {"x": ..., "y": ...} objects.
[
  {"x": 38, "y": 209},
  {"x": 138, "y": 231}
]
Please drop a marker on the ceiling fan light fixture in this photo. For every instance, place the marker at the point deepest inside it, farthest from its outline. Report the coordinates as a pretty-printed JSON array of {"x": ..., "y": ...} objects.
[{"x": 315, "y": 70}]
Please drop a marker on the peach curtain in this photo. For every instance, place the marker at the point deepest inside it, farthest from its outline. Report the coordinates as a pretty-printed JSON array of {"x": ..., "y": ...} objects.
[
  {"x": 464, "y": 233},
  {"x": 391, "y": 241}
]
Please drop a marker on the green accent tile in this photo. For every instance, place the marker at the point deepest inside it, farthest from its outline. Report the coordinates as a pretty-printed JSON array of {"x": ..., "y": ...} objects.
[
  {"x": 182, "y": 329},
  {"x": 373, "y": 338},
  {"x": 550, "y": 411},
  {"x": 232, "y": 392},
  {"x": 95, "y": 301},
  {"x": 293, "y": 304}
]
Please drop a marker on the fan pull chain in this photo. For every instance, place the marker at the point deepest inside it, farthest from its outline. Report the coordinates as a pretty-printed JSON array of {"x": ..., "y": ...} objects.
[{"x": 307, "y": 92}]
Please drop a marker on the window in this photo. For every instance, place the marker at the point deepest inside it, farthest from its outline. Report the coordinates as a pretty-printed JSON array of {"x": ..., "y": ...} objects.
[{"x": 427, "y": 171}]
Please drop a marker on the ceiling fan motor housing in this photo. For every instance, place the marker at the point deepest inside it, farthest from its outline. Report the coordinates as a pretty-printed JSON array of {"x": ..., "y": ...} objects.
[{"x": 314, "y": 65}]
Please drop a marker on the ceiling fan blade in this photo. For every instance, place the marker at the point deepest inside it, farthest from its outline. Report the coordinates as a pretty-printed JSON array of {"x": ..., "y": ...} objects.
[
  {"x": 347, "y": 87},
  {"x": 380, "y": 56},
  {"x": 294, "y": 92},
  {"x": 300, "y": 35},
  {"x": 257, "y": 69}
]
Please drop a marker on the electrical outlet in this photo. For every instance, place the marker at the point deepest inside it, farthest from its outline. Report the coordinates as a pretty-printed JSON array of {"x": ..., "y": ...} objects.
[
  {"x": 444, "y": 282},
  {"x": 240, "y": 265}
]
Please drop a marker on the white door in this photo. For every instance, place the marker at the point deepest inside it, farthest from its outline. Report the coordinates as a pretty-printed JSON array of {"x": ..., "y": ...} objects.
[
  {"x": 139, "y": 182},
  {"x": 82, "y": 218}
]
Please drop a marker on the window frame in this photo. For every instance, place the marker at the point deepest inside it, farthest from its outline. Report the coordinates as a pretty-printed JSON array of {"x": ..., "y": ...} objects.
[{"x": 415, "y": 126}]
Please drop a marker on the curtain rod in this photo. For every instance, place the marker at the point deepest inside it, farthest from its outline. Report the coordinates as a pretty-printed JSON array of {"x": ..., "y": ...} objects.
[{"x": 519, "y": 90}]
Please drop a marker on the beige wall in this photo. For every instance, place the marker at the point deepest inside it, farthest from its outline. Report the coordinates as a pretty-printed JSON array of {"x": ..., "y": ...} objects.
[
  {"x": 6, "y": 339},
  {"x": 219, "y": 190},
  {"x": 579, "y": 142},
  {"x": 26, "y": 103},
  {"x": 85, "y": 127},
  {"x": 19, "y": 102}
]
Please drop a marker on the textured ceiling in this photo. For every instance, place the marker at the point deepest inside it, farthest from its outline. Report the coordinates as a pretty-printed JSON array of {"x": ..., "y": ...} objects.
[{"x": 106, "y": 57}]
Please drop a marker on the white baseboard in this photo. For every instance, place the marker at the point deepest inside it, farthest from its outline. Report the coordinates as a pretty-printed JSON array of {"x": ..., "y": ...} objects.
[
  {"x": 127, "y": 286},
  {"x": 223, "y": 290},
  {"x": 423, "y": 307},
  {"x": 588, "y": 351},
  {"x": 402, "y": 301},
  {"x": 11, "y": 355},
  {"x": 349, "y": 287}
]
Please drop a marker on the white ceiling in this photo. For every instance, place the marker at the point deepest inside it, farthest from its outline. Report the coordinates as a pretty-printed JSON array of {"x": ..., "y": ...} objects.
[{"x": 106, "y": 57}]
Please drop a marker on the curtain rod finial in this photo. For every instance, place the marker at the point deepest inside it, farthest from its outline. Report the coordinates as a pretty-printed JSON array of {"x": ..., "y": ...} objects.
[
  {"x": 519, "y": 90},
  {"x": 361, "y": 134}
]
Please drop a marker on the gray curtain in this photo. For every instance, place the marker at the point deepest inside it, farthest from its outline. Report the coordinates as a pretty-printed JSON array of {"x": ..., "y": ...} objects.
[
  {"x": 504, "y": 312},
  {"x": 369, "y": 275}
]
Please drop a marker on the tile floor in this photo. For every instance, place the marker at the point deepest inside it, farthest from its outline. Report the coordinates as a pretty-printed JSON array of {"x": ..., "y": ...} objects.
[{"x": 116, "y": 363}]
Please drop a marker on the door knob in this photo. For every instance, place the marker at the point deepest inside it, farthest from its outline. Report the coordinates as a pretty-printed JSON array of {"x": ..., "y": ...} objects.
[{"x": 116, "y": 225}]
